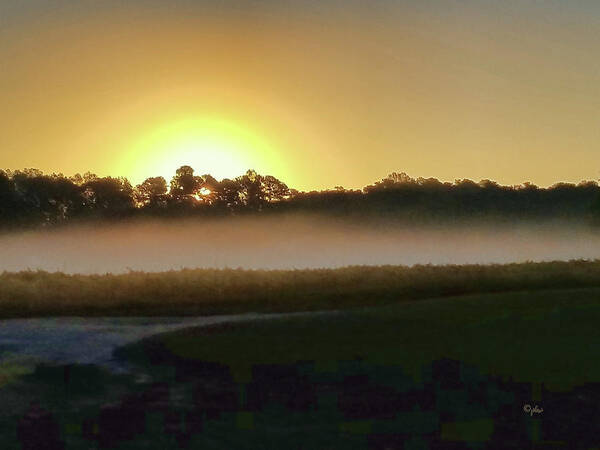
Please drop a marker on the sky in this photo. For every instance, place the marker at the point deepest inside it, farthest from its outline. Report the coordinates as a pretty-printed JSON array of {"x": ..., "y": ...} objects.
[{"x": 317, "y": 93}]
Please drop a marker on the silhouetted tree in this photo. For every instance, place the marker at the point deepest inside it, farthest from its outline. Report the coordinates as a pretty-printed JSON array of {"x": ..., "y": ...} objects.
[
  {"x": 7, "y": 203},
  {"x": 251, "y": 192},
  {"x": 228, "y": 194},
  {"x": 152, "y": 192},
  {"x": 44, "y": 198},
  {"x": 28, "y": 197},
  {"x": 274, "y": 190},
  {"x": 108, "y": 196},
  {"x": 184, "y": 185},
  {"x": 208, "y": 190}
]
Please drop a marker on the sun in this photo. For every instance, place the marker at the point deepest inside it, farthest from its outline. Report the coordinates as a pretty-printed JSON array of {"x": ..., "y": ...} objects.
[
  {"x": 202, "y": 194},
  {"x": 210, "y": 145}
]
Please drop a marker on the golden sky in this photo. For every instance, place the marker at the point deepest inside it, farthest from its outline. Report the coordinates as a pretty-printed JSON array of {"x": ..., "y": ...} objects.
[{"x": 317, "y": 93}]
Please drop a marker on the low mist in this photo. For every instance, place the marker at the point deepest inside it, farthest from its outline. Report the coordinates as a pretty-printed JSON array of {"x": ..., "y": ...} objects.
[{"x": 285, "y": 243}]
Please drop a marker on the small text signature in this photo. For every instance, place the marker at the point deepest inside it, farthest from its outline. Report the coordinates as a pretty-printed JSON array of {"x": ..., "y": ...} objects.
[{"x": 531, "y": 410}]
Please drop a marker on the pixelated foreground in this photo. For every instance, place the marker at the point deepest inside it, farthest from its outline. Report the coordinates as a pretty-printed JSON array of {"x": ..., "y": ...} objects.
[{"x": 446, "y": 373}]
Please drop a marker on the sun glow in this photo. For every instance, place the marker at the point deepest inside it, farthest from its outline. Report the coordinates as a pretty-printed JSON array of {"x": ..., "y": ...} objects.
[
  {"x": 224, "y": 149},
  {"x": 202, "y": 194}
]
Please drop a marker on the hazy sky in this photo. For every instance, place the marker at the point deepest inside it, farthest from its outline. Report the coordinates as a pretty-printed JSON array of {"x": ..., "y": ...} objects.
[{"x": 318, "y": 93}]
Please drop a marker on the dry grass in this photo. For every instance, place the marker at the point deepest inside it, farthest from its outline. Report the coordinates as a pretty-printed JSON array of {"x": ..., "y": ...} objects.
[{"x": 203, "y": 292}]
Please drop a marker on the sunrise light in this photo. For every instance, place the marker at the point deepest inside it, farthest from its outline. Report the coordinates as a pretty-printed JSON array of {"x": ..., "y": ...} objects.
[{"x": 223, "y": 148}]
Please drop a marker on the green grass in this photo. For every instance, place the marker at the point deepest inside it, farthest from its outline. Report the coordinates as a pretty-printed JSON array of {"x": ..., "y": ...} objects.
[
  {"x": 545, "y": 337},
  {"x": 536, "y": 338},
  {"x": 548, "y": 337},
  {"x": 204, "y": 292}
]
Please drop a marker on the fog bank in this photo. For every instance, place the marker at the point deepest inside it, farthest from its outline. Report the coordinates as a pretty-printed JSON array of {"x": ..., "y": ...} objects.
[{"x": 285, "y": 243}]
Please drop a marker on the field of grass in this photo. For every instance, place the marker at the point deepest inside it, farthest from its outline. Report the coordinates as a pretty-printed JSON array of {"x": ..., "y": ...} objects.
[
  {"x": 440, "y": 373},
  {"x": 434, "y": 373},
  {"x": 544, "y": 336},
  {"x": 205, "y": 292},
  {"x": 407, "y": 357}
]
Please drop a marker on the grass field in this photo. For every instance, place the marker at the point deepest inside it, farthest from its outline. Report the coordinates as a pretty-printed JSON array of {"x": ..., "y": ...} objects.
[
  {"x": 431, "y": 372},
  {"x": 205, "y": 292},
  {"x": 435, "y": 373},
  {"x": 548, "y": 336},
  {"x": 418, "y": 367}
]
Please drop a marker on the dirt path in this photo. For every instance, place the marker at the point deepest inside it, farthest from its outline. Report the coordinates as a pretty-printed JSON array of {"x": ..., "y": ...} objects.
[{"x": 77, "y": 340}]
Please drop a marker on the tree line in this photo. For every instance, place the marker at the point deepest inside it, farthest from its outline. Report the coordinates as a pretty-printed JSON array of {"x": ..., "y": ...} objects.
[{"x": 30, "y": 197}]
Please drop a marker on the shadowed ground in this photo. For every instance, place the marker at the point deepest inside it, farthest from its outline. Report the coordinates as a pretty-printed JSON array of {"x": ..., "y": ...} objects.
[{"x": 442, "y": 373}]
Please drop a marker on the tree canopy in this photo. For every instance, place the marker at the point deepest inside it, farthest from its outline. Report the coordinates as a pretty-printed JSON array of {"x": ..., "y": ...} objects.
[{"x": 30, "y": 197}]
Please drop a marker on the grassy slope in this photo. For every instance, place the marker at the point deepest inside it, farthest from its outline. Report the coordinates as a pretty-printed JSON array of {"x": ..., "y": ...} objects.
[
  {"x": 540, "y": 341},
  {"x": 201, "y": 292},
  {"x": 539, "y": 336}
]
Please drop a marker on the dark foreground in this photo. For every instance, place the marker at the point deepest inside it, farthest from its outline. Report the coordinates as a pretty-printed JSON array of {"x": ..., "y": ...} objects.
[{"x": 451, "y": 373}]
